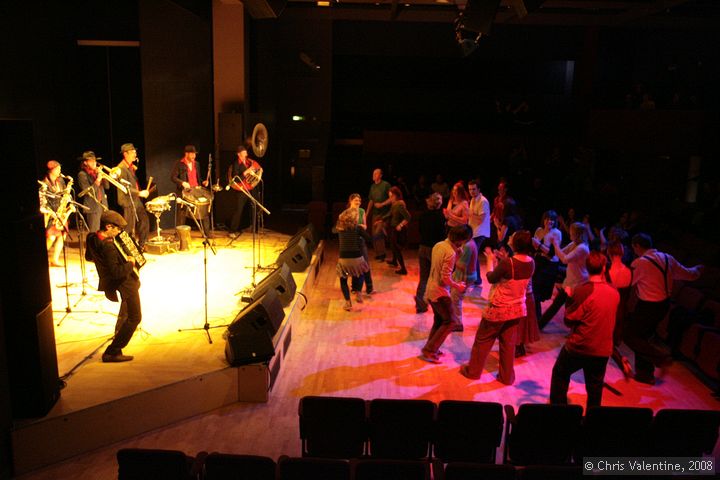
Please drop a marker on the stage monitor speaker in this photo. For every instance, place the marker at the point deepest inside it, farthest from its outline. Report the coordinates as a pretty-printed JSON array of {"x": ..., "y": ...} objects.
[
  {"x": 309, "y": 233},
  {"x": 281, "y": 281},
  {"x": 249, "y": 336},
  {"x": 297, "y": 256},
  {"x": 260, "y": 9},
  {"x": 479, "y": 15}
]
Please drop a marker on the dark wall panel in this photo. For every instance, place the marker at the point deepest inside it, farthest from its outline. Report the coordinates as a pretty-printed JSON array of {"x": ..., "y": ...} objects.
[{"x": 177, "y": 88}]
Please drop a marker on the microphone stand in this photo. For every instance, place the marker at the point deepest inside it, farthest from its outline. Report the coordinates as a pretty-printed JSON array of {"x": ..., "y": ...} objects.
[{"x": 206, "y": 243}]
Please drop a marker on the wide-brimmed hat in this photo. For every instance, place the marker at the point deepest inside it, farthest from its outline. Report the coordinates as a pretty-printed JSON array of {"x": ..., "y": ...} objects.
[
  {"x": 190, "y": 149},
  {"x": 111, "y": 216}
]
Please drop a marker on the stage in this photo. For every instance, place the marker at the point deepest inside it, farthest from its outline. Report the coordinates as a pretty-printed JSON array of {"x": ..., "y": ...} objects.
[
  {"x": 179, "y": 369},
  {"x": 369, "y": 352}
]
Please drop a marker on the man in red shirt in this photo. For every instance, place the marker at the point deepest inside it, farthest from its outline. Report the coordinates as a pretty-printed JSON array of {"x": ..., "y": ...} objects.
[{"x": 590, "y": 314}]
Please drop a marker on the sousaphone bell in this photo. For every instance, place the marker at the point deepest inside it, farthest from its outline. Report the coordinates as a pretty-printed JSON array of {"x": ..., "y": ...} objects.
[{"x": 259, "y": 140}]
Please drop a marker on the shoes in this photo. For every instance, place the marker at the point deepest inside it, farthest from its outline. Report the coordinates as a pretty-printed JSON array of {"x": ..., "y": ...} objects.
[
  {"x": 116, "y": 358},
  {"x": 626, "y": 368},
  {"x": 429, "y": 357},
  {"x": 645, "y": 379},
  {"x": 369, "y": 292},
  {"x": 401, "y": 271},
  {"x": 465, "y": 372},
  {"x": 392, "y": 263},
  {"x": 358, "y": 297},
  {"x": 348, "y": 305},
  {"x": 55, "y": 264},
  {"x": 380, "y": 258},
  {"x": 520, "y": 350},
  {"x": 421, "y": 310},
  {"x": 457, "y": 328}
]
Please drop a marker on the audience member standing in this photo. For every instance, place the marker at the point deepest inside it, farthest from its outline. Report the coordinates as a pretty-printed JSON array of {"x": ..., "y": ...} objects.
[
  {"x": 653, "y": 273},
  {"x": 506, "y": 306},
  {"x": 620, "y": 277},
  {"x": 378, "y": 208},
  {"x": 458, "y": 209},
  {"x": 432, "y": 231},
  {"x": 354, "y": 202},
  {"x": 590, "y": 314}
]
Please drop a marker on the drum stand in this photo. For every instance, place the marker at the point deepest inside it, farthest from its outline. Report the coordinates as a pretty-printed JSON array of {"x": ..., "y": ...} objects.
[{"x": 206, "y": 244}]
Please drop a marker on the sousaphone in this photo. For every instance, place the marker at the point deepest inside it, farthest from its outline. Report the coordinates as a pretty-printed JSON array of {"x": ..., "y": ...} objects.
[{"x": 259, "y": 140}]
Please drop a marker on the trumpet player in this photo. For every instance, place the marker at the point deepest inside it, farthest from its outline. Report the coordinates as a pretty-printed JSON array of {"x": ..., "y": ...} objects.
[
  {"x": 130, "y": 202},
  {"x": 52, "y": 190},
  {"x": 92, "y": 188}
]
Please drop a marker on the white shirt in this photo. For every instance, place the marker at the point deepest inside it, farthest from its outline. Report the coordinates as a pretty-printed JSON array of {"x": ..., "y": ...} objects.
[
  {"x": 480, "y": 216},
  {"x": 650, "y": 281}
]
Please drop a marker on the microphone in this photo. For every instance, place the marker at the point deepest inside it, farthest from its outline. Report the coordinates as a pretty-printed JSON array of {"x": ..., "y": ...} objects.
[
  {"x": 183, "y": 202},
  {"x": 43, "y": 185},
  {"x": 66, "y": 177},
  {"x": 233, "y": 181}
]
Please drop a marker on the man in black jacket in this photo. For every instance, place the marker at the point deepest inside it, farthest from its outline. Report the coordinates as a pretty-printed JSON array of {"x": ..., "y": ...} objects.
[{"x": 116, "y": 275}]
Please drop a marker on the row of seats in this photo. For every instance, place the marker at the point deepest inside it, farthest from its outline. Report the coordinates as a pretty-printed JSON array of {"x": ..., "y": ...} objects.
[
  {"x": 136, "y": 464},
  {"x": 692, "y": 328},
  {"x": 468, "y": 431}
]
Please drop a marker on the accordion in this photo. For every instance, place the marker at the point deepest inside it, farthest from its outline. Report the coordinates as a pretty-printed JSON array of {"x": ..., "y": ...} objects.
[{"x": 128, "y": 248}]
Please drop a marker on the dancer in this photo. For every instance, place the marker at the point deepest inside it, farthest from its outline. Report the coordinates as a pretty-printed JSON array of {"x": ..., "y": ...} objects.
[
  {"x": 378, "y": 207},
  {"x": 590, "y": 314},
  {"x": 620, "y": 277},
  {"x": 397, "y": 220},
  {"x": 444, "y": 255},
  {"x": 354, "y": 202},
  {"x": 350, "y": 262},
  {"x": 506, "y": 306},
  {"x": 432, "y": 231},
  {"x": 479, "y": 220},
  {"x": 653, "y": 273},
  {"x": 547, "y": 264},
  {"x": 465, "y": 273},
  {"x": 458, "y": 209},
  {"x": 573, "y": 255}
]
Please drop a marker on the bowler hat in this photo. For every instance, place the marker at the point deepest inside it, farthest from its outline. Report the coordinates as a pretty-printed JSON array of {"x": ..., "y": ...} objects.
[{"x": 126, "y": 147}]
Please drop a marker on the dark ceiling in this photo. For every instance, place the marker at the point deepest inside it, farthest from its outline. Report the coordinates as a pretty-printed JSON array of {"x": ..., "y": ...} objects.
[{"x": 693, "y": 14}]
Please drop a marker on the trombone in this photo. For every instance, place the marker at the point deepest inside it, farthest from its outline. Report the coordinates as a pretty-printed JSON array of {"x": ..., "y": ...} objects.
[{"x": 111, "y": 175}]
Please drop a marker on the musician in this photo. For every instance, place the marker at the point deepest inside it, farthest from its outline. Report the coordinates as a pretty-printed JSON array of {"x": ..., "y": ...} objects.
[
  {"x": 185, "y": 175},
  {"x": 116, "y": 275},
  {"x": 94, "y": 186},
  {"x": 130, "y": 202},
  {"x": 244, "y": 173},
  {"x": 52, "y": 189}
]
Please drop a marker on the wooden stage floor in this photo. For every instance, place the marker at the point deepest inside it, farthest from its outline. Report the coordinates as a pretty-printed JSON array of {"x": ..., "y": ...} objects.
[{"x": 370, "y": 352}]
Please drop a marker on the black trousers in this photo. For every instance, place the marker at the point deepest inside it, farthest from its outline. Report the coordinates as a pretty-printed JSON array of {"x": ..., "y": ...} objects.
[
  {"x": 142, "y": 228},
  {"x": 568, "y": 363},
  {"x": 128, "y": 319},
  {"x": 639, "y": 329},
  {"x": 424, "y": 259}
]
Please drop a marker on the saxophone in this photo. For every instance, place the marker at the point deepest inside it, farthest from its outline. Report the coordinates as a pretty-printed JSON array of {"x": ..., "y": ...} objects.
[
  {"x": 128, "y": 248},
  {"x": 65, "y": 209}
]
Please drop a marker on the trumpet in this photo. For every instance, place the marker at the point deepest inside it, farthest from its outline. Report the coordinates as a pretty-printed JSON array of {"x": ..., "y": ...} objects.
[{"x": 111, "y": 175}]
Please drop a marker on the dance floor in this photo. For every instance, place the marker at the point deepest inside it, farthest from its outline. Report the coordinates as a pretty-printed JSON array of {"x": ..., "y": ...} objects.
[{"x": 369, "y": 352}]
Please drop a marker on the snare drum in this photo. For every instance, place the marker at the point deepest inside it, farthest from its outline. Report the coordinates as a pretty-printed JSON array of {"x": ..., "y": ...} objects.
[
  {"x": 158, "y": 205},
  {"x": 201, "y": 198}
]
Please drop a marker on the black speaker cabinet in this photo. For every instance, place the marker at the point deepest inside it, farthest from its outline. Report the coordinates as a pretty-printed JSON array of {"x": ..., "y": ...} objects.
[
  {"x": 28, "y": 319},
  {"x": 309, "y": 233},
  {"x": 249, "y": 336},
  {"x": 280, "y": 280},
  {"x": 297, "y": 256}
]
